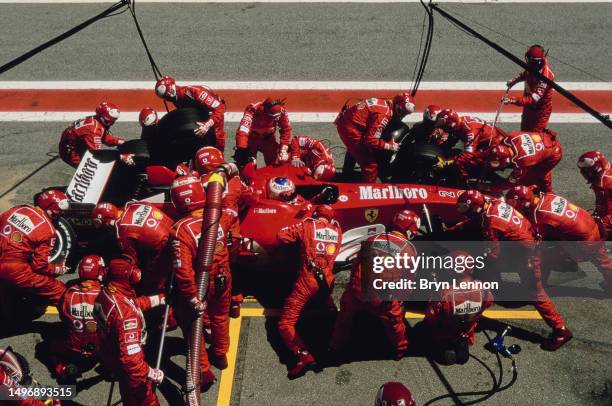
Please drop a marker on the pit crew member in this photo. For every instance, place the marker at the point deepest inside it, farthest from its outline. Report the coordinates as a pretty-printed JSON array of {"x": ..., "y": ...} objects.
[
  {"x": 394, "y": 394},
  {"x": 319, "y": 238},
  {"x": 313, "y": 154},
  {"x": 453, "y": 314},
  {"x": 188, "y": 196},
  {"x": 356, "y": 299},
  {"x": 257, "y": 132},
  {"x": 122, "y": 332},
  {"x": 77, "y": 350},
  {"x": 598, "y": 174},
  {"x": 27, "y": 236},
  {"x": 537, "y": 96},
  {"x": 200, "y": 97},
  {"x": 501, "y": 222},
  {"x": 554, "y": 218},
  {"x": 360, "y": 128},
  {"x": 91, "y": 133}
]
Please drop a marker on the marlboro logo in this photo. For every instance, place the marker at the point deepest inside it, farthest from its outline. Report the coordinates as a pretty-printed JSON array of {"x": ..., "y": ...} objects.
[{"x": 391, "y": 192}]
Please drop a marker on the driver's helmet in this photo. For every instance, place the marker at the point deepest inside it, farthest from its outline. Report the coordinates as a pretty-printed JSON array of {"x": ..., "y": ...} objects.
[{"x": 282, "y": 189}]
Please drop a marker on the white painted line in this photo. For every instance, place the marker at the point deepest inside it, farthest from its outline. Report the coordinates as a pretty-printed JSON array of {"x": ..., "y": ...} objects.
[
  {"x": 304, "y": 117},
  {"x": 287, "y": 85},
  {"x": 299, "y": 1}
]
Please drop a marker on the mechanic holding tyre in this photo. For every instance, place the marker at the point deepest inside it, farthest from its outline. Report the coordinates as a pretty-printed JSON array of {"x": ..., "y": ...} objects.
[
  {"x": 200, "y": 97},
  {"x": 361, "y": 126}
]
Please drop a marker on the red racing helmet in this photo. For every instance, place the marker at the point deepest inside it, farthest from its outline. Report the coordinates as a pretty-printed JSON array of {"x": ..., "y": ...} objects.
[
  {"x": 273, "y": 107},
  {"x": 187, "y": 194},
  {"x": 53, "y": 202},
  {"x": 406, "y": 222},
  {"x": 107, "y": 113},
  {"x": 207, "y": 159},
  {"x": 403, "y": 104},
  {"x": 324, "y": 172},
  {"x": 448, "y": 119},
  {"x": 535, "y": 56},
  {"x": 124, "y": 269},
  {"x": 470, "y": 202},
  {"x": 500, "y": 157},
  {"x": 92, "y": 267},
  {"x": 521, "y": 197},
  {"x": 165, "y": 88},
  {"x": 282, "y": 189},
  {"x": 148, "y": 117},
  {"x": 394, "y": 394},
  {"x": 431, "y": 113},
  {"x": 591, "y": 164},
  {"x": 105, "y": 215},
  {"x": 325, "y": 211},
  {"x": 13, "y": 364}
]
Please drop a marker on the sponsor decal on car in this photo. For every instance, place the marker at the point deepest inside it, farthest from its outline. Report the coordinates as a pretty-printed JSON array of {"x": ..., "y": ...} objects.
[
  {"x": 446, "y": 193},
  {"x": 262, "y": 210},
  {"x": 343, "y": 198},
  {"x": 391, "y": 192}
]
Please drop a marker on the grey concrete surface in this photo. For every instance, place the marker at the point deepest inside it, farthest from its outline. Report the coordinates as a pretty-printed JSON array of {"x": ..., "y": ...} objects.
[{"x": 301, "y": 41}]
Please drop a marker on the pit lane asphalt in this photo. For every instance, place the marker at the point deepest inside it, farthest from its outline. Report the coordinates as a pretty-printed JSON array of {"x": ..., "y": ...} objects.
[
  {"x": 324, "y": 42},
  {"x": 299, "y": 41}
]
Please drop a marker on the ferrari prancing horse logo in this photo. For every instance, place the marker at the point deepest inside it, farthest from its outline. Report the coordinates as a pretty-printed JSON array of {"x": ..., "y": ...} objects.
[{"x": 371, "y": 215}]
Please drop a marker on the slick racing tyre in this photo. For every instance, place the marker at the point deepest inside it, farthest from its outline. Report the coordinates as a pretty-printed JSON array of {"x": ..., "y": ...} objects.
[
  {"x": 395, "y": 130},
  {"x": 138, "y": 148},
  {"x": 64, "y": 243},
  {"x": 414, "y": 163},
  {"x": 175, "y": 141}
]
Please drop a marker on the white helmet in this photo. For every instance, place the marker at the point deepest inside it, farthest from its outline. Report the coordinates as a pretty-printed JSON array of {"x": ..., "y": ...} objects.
[{"x": 282, "y": 189}]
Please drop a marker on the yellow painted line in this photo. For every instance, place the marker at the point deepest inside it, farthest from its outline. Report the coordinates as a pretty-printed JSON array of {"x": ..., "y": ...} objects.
[
  {"x": 227, "y": 375},
  {"x": 492, "y": 314},
  {"x": 51, "y": 310}
]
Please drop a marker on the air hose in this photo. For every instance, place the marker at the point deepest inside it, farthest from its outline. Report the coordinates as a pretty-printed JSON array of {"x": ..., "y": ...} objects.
[{"x": 204, "y": 258}]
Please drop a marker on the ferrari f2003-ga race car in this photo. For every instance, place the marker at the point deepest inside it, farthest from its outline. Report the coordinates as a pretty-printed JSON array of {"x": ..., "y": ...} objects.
[{"x": 361, "y": 209}]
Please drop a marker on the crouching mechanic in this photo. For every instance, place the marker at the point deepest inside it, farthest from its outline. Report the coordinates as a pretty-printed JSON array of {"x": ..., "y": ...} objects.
[
  {"x": 319, "y": 238},
  {"x": 453, "y": 314},
  {"x": 554, "y": 218},
  {"x": 27, "y": 236},
  {"x": 143, "y": 232},
  {"x": 199, "y": 97},
  {"x": 77, "y": 350},
  {"x": 257, "y": 132},
  {"x": 91, "y": 134},
  {"x": 360, "y": 128},
  {"x": 537, "y": 97},
  {"x": 313, "y": 154},
  {"x": 598, "y": 173},
  {"x": 122, "y": 332},
  {"x": 500, "y": 222},
  {"x": 360, "y": 296},
  {"x": 188, "y": 196}
]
